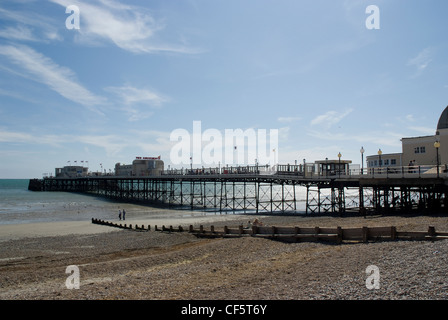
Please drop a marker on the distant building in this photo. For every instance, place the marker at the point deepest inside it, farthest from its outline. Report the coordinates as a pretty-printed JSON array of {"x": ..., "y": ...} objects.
[
  {"x": 123, "y": 169},
  {"x": 140, "y": 167},
  {"x": 387, "y": 160},
  {"x": 71, "y": 172},
  {"x": 420, "y": 150},
  {"x": 332, "y": 167}
]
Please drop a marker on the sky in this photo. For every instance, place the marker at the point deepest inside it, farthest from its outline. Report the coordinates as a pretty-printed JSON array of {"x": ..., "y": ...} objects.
[{"x": 134, "y": 72}]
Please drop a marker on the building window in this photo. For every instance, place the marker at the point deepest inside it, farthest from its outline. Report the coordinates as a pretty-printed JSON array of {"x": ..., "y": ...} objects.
[
  {"x": 420, "y": 150},
  {"x": 393, "y": 161},
  {"x": 375, "y": 163},
  {"x": 386, "y": 162}
]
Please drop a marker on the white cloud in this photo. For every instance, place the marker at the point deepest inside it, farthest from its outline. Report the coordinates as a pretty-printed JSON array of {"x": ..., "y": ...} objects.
[
  {"x": 23, "y": 137},
  {"x": 129, "y": 27},
  {"x": 423, "y": 130},
  {"x": 154, "y": 142},
  {"x": 330, "y": 118},
  {"x": 18, "y": 33},
  {"x": 112, "y": 144},
  {"x": 410, "y": 118},
  {"x": 383, "y": 138},
  {"x": 421, "y": 61},
  {"x": 136, "y": 101},
  {"x": 60, "y": 79},
  {"x": 28, "y": 26},
  {"x": 288, "y": 119},
  {"x": 131, "y": 95}
]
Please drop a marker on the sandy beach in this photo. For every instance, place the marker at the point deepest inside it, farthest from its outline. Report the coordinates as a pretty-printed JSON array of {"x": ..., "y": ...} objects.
[
  {"x": 122, "y": 264},
  {"x": 61, "y": 228}
]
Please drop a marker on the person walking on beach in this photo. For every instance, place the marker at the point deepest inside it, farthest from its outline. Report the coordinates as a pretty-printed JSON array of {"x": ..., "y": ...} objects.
[
  {"x": 124, "y": 214},
  {"x": 119, "y": 214}
]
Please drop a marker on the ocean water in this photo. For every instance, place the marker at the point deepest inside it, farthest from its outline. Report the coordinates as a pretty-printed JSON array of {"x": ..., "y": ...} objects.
[{"x": 19, "y": 205}]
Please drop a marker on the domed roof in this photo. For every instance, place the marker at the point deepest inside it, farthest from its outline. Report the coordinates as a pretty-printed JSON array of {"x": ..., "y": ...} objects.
[{"x": 443, "y": 120}]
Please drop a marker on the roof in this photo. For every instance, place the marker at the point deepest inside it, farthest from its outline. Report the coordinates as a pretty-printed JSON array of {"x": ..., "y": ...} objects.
[
  {"x": 443, "y": 120},
  {"x": 385, "y": 155},
  {"x": 332, "y": 161}
]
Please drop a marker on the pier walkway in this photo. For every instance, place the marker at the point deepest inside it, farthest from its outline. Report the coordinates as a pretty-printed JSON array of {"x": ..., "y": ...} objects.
[{"x": 286, "y": 189}]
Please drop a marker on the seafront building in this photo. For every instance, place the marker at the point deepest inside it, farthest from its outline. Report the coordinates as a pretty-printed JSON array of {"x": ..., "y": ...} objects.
[
  {"x": 141, "y": 167},
  {"x": 429, "y": 150},
  {"x": 71, "y": 172}
]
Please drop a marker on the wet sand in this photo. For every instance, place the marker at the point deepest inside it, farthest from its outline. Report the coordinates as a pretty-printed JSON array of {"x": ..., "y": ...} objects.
[{"x": 61, "y": 228}]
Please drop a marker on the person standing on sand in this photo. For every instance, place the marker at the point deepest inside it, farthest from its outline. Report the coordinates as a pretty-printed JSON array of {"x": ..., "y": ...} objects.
[
  {"x": 119, "y": 214},
  {"x": 124, "y": 213}
]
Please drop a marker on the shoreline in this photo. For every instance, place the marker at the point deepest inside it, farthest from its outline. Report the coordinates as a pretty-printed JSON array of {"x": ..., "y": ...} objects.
[
  {"x": 86, "y": 227},
  {"x": 410, "y": 222}
]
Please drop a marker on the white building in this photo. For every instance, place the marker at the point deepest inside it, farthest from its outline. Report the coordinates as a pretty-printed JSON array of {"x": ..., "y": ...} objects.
[
  {"x": 421, "y": 151},
  {"x": 385, "y": 160}
]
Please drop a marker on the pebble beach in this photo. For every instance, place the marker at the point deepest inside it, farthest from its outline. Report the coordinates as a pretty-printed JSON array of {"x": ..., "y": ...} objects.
[{"x": 118, "y": 264}]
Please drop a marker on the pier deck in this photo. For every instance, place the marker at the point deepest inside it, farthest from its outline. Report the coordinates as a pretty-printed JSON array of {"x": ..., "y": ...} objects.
[{"x": 273, "y": 192}]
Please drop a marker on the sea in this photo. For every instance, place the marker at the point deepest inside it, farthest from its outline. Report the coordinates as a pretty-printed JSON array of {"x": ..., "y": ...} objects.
[{"x": 19, "y": 205}]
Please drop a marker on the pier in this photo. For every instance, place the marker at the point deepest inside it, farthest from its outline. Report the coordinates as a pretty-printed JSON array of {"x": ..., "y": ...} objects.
[{"x": 288, "y": 188}]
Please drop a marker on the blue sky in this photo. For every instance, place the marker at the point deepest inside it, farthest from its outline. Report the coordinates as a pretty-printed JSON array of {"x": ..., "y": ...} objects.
[{"x": 137, "y": 70}]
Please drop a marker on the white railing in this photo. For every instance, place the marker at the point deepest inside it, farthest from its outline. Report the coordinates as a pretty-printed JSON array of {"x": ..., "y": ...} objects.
[{"x": 311, "y": 171}]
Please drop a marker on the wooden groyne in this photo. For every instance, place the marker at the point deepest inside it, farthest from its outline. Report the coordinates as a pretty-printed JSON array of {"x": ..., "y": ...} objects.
[
  {"x": 136, "y": 227},
  {"x": 337, "y": 235},
  {"x": 295, "y": 234}
]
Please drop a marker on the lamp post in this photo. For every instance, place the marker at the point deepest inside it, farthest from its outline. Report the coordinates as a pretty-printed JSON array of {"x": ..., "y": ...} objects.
[
  {"x": 339, "y": 166},
  {"x": 304, "y": 165},
  {"x": 362, "y": 159},
  {"x": 379, "y": 156},
  {"x": 437, "y": 146}
]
